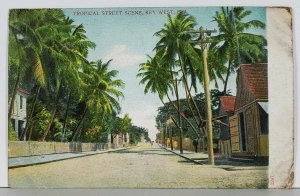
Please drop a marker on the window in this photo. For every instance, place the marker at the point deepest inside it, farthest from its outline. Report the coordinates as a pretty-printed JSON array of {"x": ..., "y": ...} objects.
[
  {"x": 21, "y": 127},
  {"x": 243, "y": 132},
  {"x": 21, "y": 101},
  {"x": 264, "y": 121}
]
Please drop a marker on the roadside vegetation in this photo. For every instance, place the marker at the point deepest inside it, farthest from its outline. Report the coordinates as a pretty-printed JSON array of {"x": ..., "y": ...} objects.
[
  {"x": 178, "y": 63},
  {"x": 71, "y": 98}
]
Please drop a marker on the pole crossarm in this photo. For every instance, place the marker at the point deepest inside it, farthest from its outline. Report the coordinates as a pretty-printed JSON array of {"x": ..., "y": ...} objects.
[
  {"x": 202, "y": 31},
  {"x": 202, "y": 42}
]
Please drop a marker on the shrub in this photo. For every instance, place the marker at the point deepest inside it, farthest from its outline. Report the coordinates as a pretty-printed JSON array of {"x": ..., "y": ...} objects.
[{"x": 12, "y": 135}]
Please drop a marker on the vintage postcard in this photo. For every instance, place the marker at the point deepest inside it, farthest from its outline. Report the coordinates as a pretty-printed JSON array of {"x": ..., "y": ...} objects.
[{"x": 150, "y": 97}]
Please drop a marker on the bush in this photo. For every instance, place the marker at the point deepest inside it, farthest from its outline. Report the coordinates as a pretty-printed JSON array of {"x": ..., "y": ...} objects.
[
  {"x": 12, "y": 135},
  {"x": 40, "y": 122}
]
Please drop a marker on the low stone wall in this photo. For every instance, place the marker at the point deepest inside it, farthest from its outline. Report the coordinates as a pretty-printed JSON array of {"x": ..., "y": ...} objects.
[{"x": 22, "y": 148}]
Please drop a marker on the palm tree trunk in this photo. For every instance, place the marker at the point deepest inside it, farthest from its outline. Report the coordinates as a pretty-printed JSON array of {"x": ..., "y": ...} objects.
[
  {"x": 184, "y": 117},
  {"x": 182, "y": 65},
  {"x": 31, "y": 112},
  {"x": 12, "y": 101},
  {"x": 227, "y": 77},
  {"x": 79, "y": 124},
  {"x": 53, "y": 113},
  {"x": 171, "y": 139},
  {"x": 166, "y": 135},
  {"x": 161, "y": 138},
  {"x": 30, "y": 133},
  {"x": 189, "y": 105},
  {"x": 66, "y": 116},
  {"x": 111, "y": 138},
  {"x": 49, "y": 124}
]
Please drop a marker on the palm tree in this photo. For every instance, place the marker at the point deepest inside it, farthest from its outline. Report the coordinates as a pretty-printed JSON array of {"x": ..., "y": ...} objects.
[
  {"x": 160, "y": 81},
  {"x": 235, "y": 44},
  {"x": 73, "y": 47},
  {"x": 25, "y": 45},
  {"x": 156, "y": 80},
  {"x": 101, "y": 90},
  {"x": 43, "y": 57},
  {"x": 27, "y": 28},
  {"x": 174, "y": 45},
  {"x": 176, "y": 48}
]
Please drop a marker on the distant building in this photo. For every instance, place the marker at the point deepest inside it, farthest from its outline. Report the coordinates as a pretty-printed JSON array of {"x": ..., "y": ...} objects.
[
  {"x": 118, "y": 140},
  {"x": 18, "y": 119},
  {"x": 249, "y": 125}
]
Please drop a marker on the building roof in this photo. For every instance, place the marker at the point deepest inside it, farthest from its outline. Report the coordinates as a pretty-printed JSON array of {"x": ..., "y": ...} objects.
[
  {"x": 256, "y": 79},
  {"x": 20, "y": 90},
  {"x": 228, "y": 102}
]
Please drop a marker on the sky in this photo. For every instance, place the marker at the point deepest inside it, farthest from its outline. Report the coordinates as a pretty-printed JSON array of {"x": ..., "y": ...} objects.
[{"x": 125, "y": 35}]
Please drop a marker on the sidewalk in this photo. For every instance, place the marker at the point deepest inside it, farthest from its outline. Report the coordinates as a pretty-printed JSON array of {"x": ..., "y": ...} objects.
[
  {"x": 16, "y": 162},
  {"x": 189, "y": 155},
  {"x": 220, "y": 162}
]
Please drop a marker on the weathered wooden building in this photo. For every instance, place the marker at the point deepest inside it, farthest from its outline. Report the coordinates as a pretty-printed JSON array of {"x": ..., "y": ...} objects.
[
  {"x": 226, "y": 111},
  {"x": 249, "y": 125}
]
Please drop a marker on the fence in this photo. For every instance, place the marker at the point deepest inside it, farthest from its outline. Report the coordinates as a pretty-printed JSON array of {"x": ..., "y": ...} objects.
[{"x": 25, "y": 148}]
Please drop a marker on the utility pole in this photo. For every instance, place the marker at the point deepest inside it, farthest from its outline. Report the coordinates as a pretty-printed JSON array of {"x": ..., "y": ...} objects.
[
  {"x": 171, "y": 137},
  {"x": 204, "y": 42},
  {"x": 161, "y": 132},
  {"x": 179, "y": 117},
  {"x": 166, "y": 134},
  {"x": 170, "y": 132}
]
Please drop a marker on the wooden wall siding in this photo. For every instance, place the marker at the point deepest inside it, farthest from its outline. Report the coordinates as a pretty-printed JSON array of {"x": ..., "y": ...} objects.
[
  {"x": 224, "y": 130},
  {"x": 234, "y": 133},
  {"x": 257, "y": 122},
  {"x": 251, "y": 129},
  {"x": 264, "y": 145},
  {"x": 263, "y": 139},
  {"x": 243, "y": 95}
]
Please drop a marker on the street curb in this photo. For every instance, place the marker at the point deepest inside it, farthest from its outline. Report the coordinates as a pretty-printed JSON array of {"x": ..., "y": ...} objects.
[
  {"x": 231, "y": 168},
  {"x": 243, "y": 168},
  {"x": 181, "y": 155},
  {"x": 84, "y": 155}
]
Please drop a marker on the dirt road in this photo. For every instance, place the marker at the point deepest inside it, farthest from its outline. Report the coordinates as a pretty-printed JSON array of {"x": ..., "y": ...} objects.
[{"x": 140, "y": 167}]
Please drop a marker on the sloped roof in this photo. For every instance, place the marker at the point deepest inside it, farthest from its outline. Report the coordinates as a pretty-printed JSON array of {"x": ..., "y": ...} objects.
[
  {"x": 20, "y": 90},
  {"x": 228, "y": 102},
  {"x": 256, "y": 79}
]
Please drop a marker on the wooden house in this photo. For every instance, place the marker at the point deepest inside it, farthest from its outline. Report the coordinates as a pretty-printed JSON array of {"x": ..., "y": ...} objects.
[
  {"x": 249, "y": 124},
  {"x": 226, "y": 110}
]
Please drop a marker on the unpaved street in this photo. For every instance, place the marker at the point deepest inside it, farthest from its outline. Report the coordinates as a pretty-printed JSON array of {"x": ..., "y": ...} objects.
[{"x": 140, "y": 167}]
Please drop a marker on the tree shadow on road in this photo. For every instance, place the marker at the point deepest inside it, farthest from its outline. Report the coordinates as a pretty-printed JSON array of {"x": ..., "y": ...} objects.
[{"x": 145, "y": 152}]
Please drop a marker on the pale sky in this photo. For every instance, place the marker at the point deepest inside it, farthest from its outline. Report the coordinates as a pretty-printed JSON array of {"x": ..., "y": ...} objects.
[{"x": 127, "y": 39}]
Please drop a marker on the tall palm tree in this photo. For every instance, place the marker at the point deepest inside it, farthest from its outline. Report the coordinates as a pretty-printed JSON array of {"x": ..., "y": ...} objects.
[
  {"x": 41, "y": 34},
  {"x": 35, "y": 33},
  {"x": 102, "y": 90},
  {"x": 236, "y": 44},
  {"x": 156, "y": 80},
  {"x": 160, "y": 81},
  {"x": 73, "y": 47},
  {"x": 25, "y": 45},
  {"x": 173, "y": 44}
]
